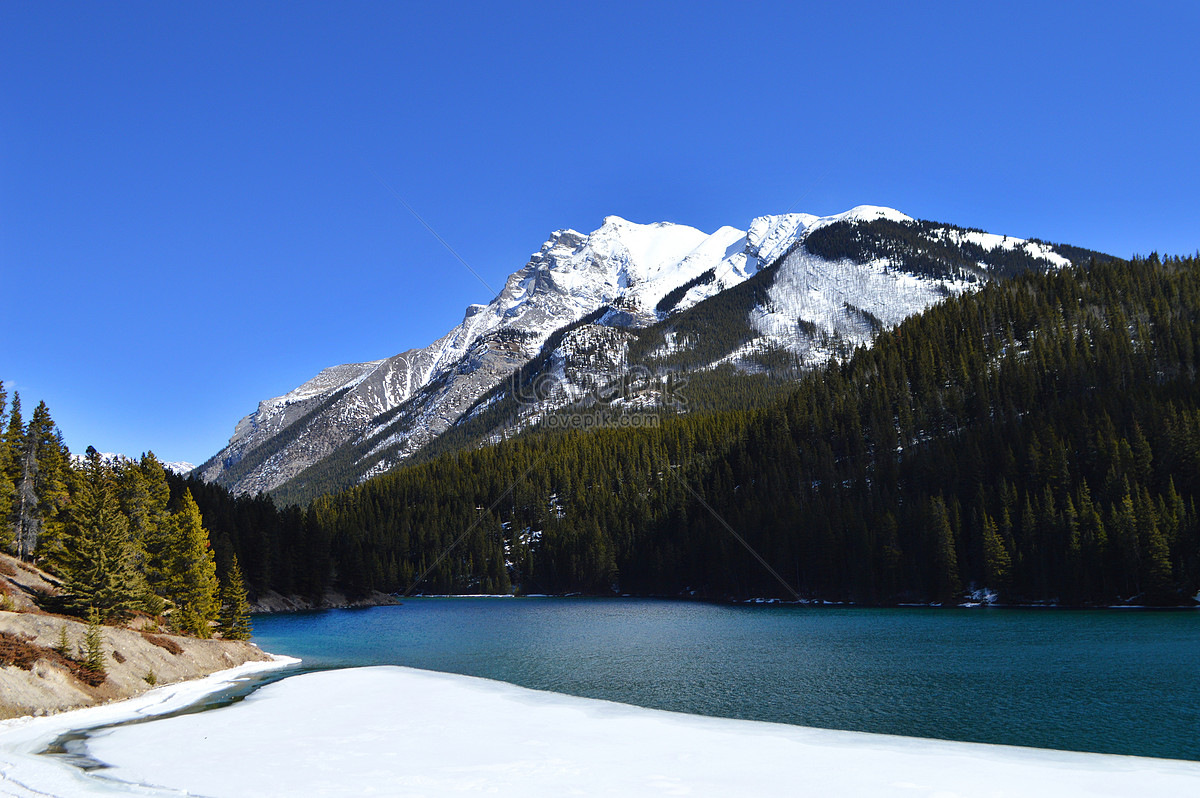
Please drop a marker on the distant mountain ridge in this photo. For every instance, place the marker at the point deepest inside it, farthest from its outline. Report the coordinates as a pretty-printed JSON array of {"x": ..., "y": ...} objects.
[
  {"x": 181, "y": 467},
  {"x": 792, "y": 289}
]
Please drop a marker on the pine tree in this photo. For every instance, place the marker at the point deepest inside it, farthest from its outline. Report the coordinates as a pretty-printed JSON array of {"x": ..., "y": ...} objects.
[
  {"x": 18, "y": 513},
  {"x": 27, "y": 521},
  {"x": 995, "y": 557},
  {"x": 42, "y": 494},
  {"x": 234, "y": 621},
  {"x": 98, "y": 555},
  {"x": 63, "y": 644},
  {"x": 144, "y": 497},
  {"x": 193, "y": 585},
  {"x": 946, "y": 584},
  {"x": 14, "y": 438},
  {"x": 7, "y": 489},
  {"x": 55, "y": 476},
  {"x": 91, "y": 653}
]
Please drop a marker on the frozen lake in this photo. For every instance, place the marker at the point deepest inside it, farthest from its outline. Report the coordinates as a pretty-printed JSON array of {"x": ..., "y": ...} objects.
[
  {"x": 357, "y": 719},
  {"x": 1124, "y": 682}
]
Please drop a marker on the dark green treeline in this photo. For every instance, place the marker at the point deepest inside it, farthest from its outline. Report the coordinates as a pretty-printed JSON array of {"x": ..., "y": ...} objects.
[
  {"x": 110, "y": 530},
  {"x": 1039, "y": 438}
]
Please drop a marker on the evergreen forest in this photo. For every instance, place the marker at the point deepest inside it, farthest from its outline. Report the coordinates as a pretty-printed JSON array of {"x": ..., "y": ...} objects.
[{"x": 111, "y": 531}]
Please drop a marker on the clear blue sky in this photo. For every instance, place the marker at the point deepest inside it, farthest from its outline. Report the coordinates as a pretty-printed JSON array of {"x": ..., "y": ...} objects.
[{"x": 190, "y": 219}]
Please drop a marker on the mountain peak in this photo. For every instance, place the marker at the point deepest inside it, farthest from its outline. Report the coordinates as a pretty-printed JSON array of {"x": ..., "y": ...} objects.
[
  {"x": 817, "y": 302},
  {"x": 867, "y": 213}
]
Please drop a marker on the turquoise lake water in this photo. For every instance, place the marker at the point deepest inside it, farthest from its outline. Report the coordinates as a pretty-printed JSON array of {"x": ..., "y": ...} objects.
[{"x": 1124, "y": 682}]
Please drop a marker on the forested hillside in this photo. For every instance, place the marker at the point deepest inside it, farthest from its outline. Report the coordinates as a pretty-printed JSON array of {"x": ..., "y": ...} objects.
[
  {"x": 782, "y": 297},
  {"x": 112, "y": 532},
  {"x": 1038, "y": 439}
]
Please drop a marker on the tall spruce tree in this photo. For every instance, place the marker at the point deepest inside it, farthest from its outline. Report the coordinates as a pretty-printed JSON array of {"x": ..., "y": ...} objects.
[
  {"x": 193, "y": 586},
  {"x": 27, "y": 521},
  {"x": 996, "y": 560},
  {"x": 14, "y": 436},
  {"x": 144, "y": 495},
  {"x": 98, "y": 553},
  {"x": 234, "y": 620},
  {"x": 7, "y": 490},
  {"x": 14, "y": 450},
  {"x": 51, "y": 466},
  {"x": 946, "y": 584}
]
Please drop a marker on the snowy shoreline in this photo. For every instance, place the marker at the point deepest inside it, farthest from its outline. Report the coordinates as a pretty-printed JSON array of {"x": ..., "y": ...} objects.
[
  {"x": 400, "y": 731},
  {"x": 24, "y": 772}
]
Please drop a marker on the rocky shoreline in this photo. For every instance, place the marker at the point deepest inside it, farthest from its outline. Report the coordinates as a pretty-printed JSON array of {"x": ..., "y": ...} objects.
[
  {"x": 43, "y": 682},
  {"x": 38, "y": 678},
  {"x": 271, "y": 602}
]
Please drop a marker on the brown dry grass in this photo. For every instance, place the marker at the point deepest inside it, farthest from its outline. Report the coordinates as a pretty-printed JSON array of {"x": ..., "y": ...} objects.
[
  {"x": 19, "y": 651},
  {"x": 163, "y": 642}
]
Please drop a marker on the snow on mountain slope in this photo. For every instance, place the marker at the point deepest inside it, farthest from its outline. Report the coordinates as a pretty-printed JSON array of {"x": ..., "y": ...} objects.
[
  {"x": 416, "y": 395},
  {"x": 597, "y": 293},
  {"x": 816, "y": 306},
  {"x": 812, "y": 307},
  {"x": 990, "y": 241},
  {"x": 813, "y": 301},
  {"x": 850, "y": 303}
]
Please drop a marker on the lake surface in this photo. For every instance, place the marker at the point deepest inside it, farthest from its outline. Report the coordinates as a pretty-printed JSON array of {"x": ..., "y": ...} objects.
[{"x": 1124, "y": 682}]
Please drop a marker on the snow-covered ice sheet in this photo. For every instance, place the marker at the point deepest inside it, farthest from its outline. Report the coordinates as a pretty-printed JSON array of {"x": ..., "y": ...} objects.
[
  {"x": 402, "y": 732},
  {"x": 23, "y": 772}
]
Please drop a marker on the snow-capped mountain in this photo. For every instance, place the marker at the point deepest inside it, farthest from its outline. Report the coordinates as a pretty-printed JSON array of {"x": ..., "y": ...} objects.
[
  {"x": 832, "y": 284},
  {"x": 573, "y": 311},
  {"x": 622, "y": 264}
]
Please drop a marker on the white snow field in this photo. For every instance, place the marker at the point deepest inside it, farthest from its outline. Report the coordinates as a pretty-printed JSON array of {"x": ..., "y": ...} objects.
[
  {"x": 25, "y": 774},
  {"x": 392, "y": 731}
]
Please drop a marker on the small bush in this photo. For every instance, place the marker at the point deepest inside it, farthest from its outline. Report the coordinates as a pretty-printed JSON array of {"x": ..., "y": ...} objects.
[
  {"x": 18, "y": 651},
  {"x": 15, "y": 650},
  {"x": 150, "y": 678},
  {"x": 118, "y": 656}
]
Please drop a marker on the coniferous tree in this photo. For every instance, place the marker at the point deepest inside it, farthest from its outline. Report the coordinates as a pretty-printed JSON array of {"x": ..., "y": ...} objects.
[
  {"x": 193, "y": 586},
  {"x": 144, "y": 495},
  {"x": 995, "y": 556},
  {"x": 234, "y": 620},
  {"x": 7, "y": 489},
  {"x": 91, "y": 653},
  {"x": 27, "y": 523},
  {"x": 63, "y": 644},
  {"x": 14, "y": 437},
  {"x": 98, "y": 554},
  {"x": 51, "y": 466}
]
